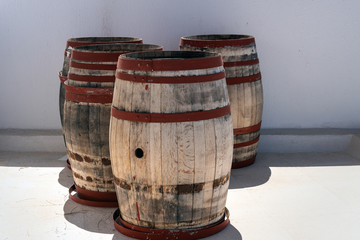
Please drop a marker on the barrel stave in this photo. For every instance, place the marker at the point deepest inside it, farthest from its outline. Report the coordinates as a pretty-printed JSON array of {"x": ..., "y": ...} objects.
[{"x": 86, "y": 139}]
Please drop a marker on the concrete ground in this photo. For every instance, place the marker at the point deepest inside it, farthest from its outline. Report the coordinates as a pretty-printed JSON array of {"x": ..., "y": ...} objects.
[{"x": 303, "y": 185}]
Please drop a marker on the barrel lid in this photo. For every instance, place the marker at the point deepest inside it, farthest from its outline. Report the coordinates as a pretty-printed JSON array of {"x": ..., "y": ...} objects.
[
  {"x": 169, "y": 60},
  {"x": 81, "y": 41},
  {"x": 217, "y": 40},
  {"x": 109, "y": 52}
]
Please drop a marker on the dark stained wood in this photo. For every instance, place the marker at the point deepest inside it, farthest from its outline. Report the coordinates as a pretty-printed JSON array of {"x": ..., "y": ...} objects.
[{"x": 86, "y": 123}]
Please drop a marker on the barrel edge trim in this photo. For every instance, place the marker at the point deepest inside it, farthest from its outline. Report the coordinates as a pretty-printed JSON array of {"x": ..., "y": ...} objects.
[
  {"x": 138, "y": 232},
  {"x": 250, "y": 129},
  {"x": 92, "y": 203},
  {"x": 245, "y": 79},
  {"x": 241, "y": 63},
  {"x": 166, "y": 64},
  {"x": 170, "y": 117},
  {"x": 246, "y": 144},
  {"x": 170, "y": 80},
  {"x": 92, "y": 78},
  {"x": 244, "y": 163},
  {"x": 216, "y": 43}
]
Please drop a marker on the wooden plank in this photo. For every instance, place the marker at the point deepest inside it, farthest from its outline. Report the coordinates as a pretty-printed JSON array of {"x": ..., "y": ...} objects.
[
  {"x": 139, "y": 153},
  {"x": 169, "y": 159},
  {"x": 259, "y": 100},
  {"x": 210, "y": 165},
  {"x": 186, "y": 164},
  {"x": 253, "y": 103},
  {"x": 103, "y": 145},
  {"x": 185, "y": 149},
  {"x": 227, "y": 149},
  {"x": 169, "y": 169},
  {"x": 67, "y": 128},
  {"x": 241, "y": 105},
  {"x": 218, "y": 166},
  {"x": 248, "y": 104},
  {"x": 200, "y": 168},
  {"x": 224, "y": 140},
  {"x": 234, "y": 104},
  {"x": 115, "y": 139},
  {"x": 155, "y": 157}
]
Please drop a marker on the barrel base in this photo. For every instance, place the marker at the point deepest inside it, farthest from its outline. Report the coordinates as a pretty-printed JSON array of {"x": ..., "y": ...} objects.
[
  {"x": 138, "y": 232},
  {"x": 92, "y": 199},
  {"x": 243, "y": 163}
]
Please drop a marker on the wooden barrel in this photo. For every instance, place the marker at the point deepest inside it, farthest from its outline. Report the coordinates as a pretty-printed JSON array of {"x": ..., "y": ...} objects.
[
  {"x": 171, "y": 139},
  {"x": 244, "y": 85},
  {"x": 87, "y": 106},
  {"x": 77, "y": 42}
]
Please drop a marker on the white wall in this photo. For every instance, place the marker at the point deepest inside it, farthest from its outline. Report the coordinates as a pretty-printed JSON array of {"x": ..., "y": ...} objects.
[{"x": 309, "y": 51}]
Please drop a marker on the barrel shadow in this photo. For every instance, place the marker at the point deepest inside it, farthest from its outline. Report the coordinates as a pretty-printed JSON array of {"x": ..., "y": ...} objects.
[
  {"x": 92, "y": 219},
  {"x": 260, "y": 172},
  {"x": 65, "y": 178},
  {"x": 250, "y": 176}
]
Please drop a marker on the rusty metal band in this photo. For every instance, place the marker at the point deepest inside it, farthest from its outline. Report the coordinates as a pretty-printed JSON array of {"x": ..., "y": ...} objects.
[
  {"x": 241, "y": 63},
  {"x": 92, "y": 66},
  {"x": 171, "y": 189},
  {"x": 247, "y": 79},
  {"x": 170, "y": 117},
  {"x": 91, "y": 78},
  {"x": 90, "y": 95},
  {"x": 88, "y": 98},
  {"x": 169, "y": 64},
  {"x": 170, "y": 80},
  {"x": 245, "y": 130},
  {"x": 138, "y": 232},
  {"x": 246, "y": 144},
  {"x": 217, "y": 43},
  {"x": 243, "y": 163},
  {"x": 93, "y": 199},
  {"x": 61, "y": 77},
  {"x": 96, "y": 56}
]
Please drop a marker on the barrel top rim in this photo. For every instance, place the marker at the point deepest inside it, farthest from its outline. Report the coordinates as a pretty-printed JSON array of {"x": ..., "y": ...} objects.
[
  {"x": 218, "y": 37},
  {"x": 103, "y": 39},
  {"x": 217, "y": 40},
  {"x": 164, "y": 55},
  {"x": 169, "y": 60},
  {"x": 122, "y": 47}
]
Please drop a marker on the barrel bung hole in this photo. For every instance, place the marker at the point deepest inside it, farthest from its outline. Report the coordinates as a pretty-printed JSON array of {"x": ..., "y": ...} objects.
[{"x": 139, "y": 153}]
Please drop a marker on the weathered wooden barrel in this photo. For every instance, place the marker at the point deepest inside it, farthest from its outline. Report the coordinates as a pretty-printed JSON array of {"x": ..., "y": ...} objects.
[
  {"x": 77, "y": 42},
  {"x": 87, "y": 106},
  {"x": 244, "y": 85},
  {"x": 171, "y": 143}
]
